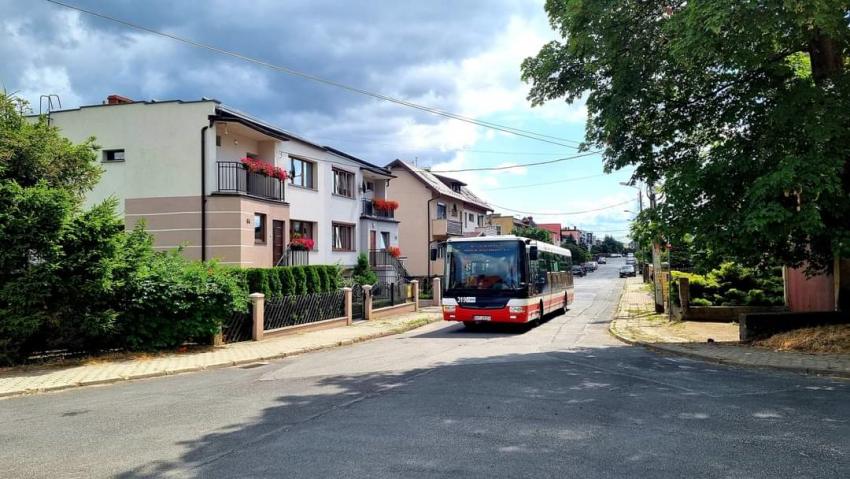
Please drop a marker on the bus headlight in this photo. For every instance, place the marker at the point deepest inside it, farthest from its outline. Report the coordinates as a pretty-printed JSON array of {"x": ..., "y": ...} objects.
[
  {"x": 517, "y": 309},
  {"x": 449, "y": 309}
]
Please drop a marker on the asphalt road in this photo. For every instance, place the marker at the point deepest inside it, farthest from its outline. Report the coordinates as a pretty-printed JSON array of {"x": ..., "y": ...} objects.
[{"x": 562, "y": 399}]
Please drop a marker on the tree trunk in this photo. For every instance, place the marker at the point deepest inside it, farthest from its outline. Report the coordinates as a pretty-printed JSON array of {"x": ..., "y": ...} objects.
[{"x": 826, "y": 57}]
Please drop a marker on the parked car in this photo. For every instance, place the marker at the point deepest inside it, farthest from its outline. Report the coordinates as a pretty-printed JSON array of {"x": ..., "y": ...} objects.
[
  {"x": 630, "y": 260},
  {"x": 627, "y": 270},
  {"x": 589, "y": 266},
  {"x": 578, "y": 270},
  {"x": 602, "y": 260}
]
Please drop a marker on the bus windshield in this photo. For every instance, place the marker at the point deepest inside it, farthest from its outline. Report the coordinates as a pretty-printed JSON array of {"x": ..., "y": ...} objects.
[{"x": 484, "y": 265}]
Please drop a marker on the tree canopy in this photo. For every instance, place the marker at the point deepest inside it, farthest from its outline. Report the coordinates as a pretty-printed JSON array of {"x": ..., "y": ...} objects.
[
  {"x": 736, "y": 111},
  {"x": 533, "y": 232}
]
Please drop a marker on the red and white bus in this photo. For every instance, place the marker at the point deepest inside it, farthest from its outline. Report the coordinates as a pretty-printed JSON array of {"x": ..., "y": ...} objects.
[{"x": 505, "y": 279}]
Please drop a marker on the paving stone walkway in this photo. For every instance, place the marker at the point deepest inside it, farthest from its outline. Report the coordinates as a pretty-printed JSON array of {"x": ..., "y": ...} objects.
[
  {"x": 637, "y": 323},
  {"x": 30, "y": 380}
]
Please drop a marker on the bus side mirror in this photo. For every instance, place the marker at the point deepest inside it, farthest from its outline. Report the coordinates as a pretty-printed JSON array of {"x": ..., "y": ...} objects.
[
  {"x": 532, "y": 253},
  {"x": 433, "y": 255}
]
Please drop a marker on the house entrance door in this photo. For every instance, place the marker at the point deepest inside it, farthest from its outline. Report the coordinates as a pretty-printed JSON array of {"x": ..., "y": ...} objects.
[{"x": 277, "y": 241}]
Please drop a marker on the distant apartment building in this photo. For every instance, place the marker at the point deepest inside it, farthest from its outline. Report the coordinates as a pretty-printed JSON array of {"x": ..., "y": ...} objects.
[
  {"x": 184, "y": 168},
  {"x": 432, "y": 208},
  {"x": 576, "y": 234},
  {"x": 555, "y": 232},
  {"x": 504, "y": 224}
]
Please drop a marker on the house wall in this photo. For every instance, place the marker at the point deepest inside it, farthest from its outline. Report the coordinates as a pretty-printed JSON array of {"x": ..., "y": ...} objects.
[
  {"x": 161, "y": 142},
  {"x": 505, "y": 224},
  {"x": 412, "y": 197}
]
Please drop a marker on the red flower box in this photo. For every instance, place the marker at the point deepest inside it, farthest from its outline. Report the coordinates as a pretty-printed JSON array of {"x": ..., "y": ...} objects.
[
  {"x": 394, "y": 251},
  {"x": 385, "y": 205},
  {"x": 265, "y": 169},
  {"x": 302, "y": 244}
]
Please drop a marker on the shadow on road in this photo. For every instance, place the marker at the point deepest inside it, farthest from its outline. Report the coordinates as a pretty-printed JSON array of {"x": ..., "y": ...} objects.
[{"x": 606, "y": 412}]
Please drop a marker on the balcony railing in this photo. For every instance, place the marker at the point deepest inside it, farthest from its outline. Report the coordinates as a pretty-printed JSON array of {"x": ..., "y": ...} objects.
[
  {"x": 233, "y": 177},
  {"x": 370, "y": 210},
  {"x": 442, "y": 227}
]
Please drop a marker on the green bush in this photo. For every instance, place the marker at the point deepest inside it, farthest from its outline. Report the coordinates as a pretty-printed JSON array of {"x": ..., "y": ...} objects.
[
  {"x": 258, "y": 281},
  {"x": 287, "y": 281},
  {"x": 275, "y": 285},
  {"x": 314, "y": 284},
  {"x": 334, "y": 276},
  {"x": 700, "y": 302},
  {"x": 362, "y": 273},
  {"x": 324, "y": 284},
  {"x": 300, "y": 279},
  {"x": 172, "y": 300},
  {"x": 734, "y": 285}
]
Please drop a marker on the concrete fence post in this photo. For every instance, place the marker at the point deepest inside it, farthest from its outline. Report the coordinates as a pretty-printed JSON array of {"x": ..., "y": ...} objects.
[
  {"x": 685, "y": 294},
  {"x": 348, "y": 305},
  {"x": 437, "y": 291},
  {"x": 258, "y": 306},
  {"x": 415, "y": 285},
  {"x": 367, "y": 301}
]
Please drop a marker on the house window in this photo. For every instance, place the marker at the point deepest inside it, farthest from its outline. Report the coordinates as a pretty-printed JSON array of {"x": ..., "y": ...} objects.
[
  {"x": 498, "y": 229},
  {"x": 456, "y": 187},
  {"x": 454, "y": 211},
  {"x": 471, "y": 217},
  {"x": 259, "y": 228},
  {"x": 343, "y": 183},
  {"x": 113, "y": 155},
  {"x": 302, "y": 229},
  {"x": 480, "y": 220},
  {"x": 441, "y": 211},
  {"x": 385, "y": 239},
  {"x": 303, "y": 173},
  {"x": 343, "y": 237},
  {"x": 217, "y": 140},
  {"x": 370, "y": 186}
]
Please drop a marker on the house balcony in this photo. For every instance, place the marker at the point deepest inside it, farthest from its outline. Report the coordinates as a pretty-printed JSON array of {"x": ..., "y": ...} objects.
[
  {"x": 443, "y": 228},
  {"x": 234, "y": 178},
  {"x": 370, "y": 211}
]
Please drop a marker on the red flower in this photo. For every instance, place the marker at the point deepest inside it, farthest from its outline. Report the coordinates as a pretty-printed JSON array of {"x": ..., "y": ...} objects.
[
  {"x": 302, "y": 244},
  {"x": 385, "y": 205},
  {"x": 265, "y": 169},
  {"x": 394, "y": 251}
]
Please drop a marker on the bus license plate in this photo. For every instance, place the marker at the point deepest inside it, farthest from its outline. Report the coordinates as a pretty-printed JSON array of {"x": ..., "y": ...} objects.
[{"x": 481, "y": 318}]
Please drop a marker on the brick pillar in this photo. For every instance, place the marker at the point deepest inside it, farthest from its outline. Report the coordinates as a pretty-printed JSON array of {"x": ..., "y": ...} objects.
[
  {"x": 258, "y": 301},
  {"x": 348, "y": 308},
  {"x": 415, "y": 285},
  {"x": 437, "y": 291},
  {"x": 684, "y": 294},
  {"x": 367, "y": 301}
]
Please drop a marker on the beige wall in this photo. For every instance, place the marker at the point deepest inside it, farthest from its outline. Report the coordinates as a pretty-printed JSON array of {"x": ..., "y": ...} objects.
[
  {"x": 161, "y": 142},
  {"x": 176, "y": 222},
  {"x": 412, "y": 197}
]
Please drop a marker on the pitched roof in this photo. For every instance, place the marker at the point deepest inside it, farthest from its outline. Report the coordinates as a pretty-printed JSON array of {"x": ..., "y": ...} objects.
[{"x": 436, "y": 183}]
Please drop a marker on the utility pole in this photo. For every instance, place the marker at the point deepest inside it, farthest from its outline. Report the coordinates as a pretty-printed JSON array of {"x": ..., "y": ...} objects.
[{"x": 656, "y": 258}]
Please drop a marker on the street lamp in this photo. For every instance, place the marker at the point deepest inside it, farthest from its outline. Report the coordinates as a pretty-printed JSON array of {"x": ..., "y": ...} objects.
[{"x": 640, "y": 195}]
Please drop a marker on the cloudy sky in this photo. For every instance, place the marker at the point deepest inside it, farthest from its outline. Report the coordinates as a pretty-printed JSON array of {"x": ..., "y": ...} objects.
[{"x": 461, "y": 56}]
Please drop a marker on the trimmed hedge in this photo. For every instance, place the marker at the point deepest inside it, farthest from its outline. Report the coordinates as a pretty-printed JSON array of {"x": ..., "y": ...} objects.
[
  {"x": 282, "y": 281},
  {"x": 732, "y": 285}
]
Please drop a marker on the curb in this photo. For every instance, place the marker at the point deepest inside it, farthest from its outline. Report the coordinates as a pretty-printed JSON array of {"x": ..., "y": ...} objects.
[
  {"x": 728, "y": 362},
  {"x": 173, "y": 372}
]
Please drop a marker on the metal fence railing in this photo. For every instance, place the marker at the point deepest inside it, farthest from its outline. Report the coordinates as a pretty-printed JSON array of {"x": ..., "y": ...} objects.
[
  {"x": 237, "y": 327},
  {"x": 388, "y": 294},
  {"x": 303, "y": 309}
]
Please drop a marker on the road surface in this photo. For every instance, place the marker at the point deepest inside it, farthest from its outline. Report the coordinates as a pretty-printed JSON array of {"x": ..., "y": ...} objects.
[{"x": 562, "y": 399}]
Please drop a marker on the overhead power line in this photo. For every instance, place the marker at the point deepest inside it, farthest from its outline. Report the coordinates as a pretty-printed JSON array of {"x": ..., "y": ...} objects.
[
  {"x": 290, "y": 71},
  {"x": 562, "y": 213},
  {"x": 567, "y": 180},
  {"x": 522, "y": 165}
]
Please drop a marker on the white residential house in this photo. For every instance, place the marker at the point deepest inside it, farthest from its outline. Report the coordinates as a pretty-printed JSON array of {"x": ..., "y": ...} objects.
[{"x": 177, "y": 166}]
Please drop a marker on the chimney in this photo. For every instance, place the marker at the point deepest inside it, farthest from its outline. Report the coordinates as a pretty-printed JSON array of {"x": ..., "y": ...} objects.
[{"x": 117, "y": 100}]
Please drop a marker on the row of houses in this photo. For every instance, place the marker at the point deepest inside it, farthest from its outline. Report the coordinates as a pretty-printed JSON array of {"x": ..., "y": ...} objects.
[{"x": 223, "y": 184}]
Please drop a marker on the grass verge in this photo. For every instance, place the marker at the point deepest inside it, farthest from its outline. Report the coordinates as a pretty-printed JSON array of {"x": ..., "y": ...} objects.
[{"x": 821, "y": 339}]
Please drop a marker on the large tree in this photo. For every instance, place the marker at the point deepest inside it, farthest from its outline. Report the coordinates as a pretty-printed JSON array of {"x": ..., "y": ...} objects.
[{"x": 736, "y": 110}]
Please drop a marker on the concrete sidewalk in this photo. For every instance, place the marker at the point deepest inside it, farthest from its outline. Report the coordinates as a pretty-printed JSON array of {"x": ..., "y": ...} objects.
[
  {"x": 637, "y": 323},
  {"x": 30, "y": 379}
]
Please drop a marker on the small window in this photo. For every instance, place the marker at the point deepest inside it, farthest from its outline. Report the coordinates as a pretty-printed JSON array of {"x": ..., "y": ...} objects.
[
  {"x": 217, "y": 140},
  {"x": 113, "y": 155},
  {"x": 441, "y": 211},
  {"x": 454, "y": 211},
  {"x": 385, "y": 238},
  {"x": 302, "y": 173},
  {"x": 343, "y": 183},
  {"x": 498, "y": 229},
  {"x": 456, "y": 187},
  {"x": 301, "y": 229},
  {"x": 343, "y": 237},
  {"x": 471, "y": 217},
  {"x": 370, "y": 186},
  {"x": 259, "y": 228},
  {"x": 480, "y": 220}
]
